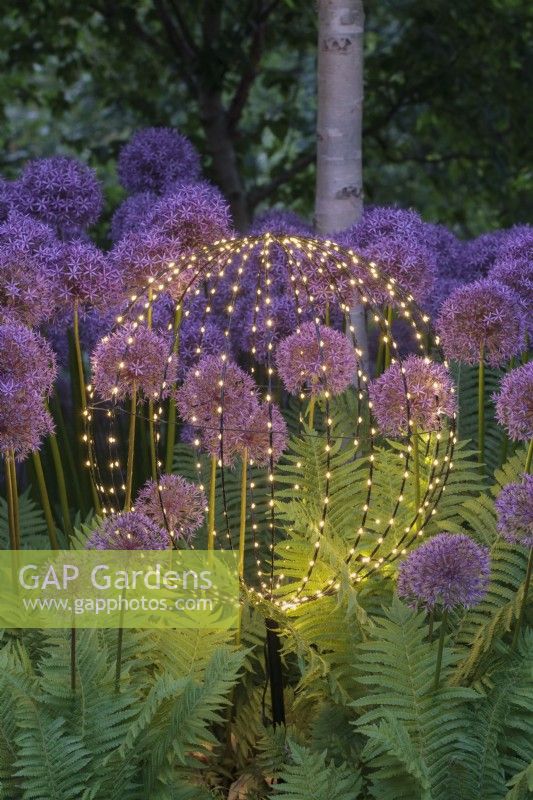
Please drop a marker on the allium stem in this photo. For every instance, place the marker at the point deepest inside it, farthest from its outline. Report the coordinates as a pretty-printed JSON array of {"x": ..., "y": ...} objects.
[
  {"x": 242, "y": 528},
  {"x": 73, "y": 660},
  {"x": 131, "y": 449},
  {"x": 13, "y": 538},
  {"x": 212, "y": 500},
  {"x": 171, "y": 422},
  {"x": 45, "y": 500},
  {"x": 529, "y": 457},
  {"x": 442, "y": 636},
  {"x": 151, "y": 431},
  {"x": 387, "y": 357},
  {"x": 523, "y": 604},
  {"x": 416, "y": 469},
  {"x": 481, "y": 408},
  {"x": 65, "y": 445},
  {"x": 311, "y": 411},
  {"x": 15, "y": 492},
  {"x": 61, "y": 485}
]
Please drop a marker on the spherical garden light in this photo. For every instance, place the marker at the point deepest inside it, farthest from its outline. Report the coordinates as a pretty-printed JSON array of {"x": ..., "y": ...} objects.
[{"x": 303, "y": 431}]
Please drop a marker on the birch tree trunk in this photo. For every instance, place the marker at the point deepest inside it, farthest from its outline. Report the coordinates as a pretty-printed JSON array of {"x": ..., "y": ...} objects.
[{"x": 339, "y": 182}]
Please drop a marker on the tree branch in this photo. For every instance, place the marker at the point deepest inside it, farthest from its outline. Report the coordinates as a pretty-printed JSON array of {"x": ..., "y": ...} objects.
[
  {"x": 261, "y": 193},
  {"x": 177, "y": 42}
]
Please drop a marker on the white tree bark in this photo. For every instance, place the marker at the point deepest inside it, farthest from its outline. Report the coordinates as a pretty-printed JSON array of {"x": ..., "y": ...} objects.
[{"x": 339, "y": 181}]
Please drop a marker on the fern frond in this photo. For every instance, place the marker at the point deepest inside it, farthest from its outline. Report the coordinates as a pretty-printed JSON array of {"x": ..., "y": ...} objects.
[{"x": 308, "y": 776}]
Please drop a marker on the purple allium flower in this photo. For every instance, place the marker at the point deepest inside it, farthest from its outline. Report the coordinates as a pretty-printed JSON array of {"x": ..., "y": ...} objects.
[
  {"x": 281, "y": 318},
  {"x": 431, "y": 396},
  {"x": 479, "y": 254},
  {"x": 514, "y": 403},
  {"x": 257, "y": 436},
  {"x": 514, "y": 505},
  {"x": 129, "y": 531},
  {"x": 156, "y": 157},
  {"x": 131, "y": 214},
  {"x": 85, "y": 275},
  {"x": 24, "y": 420},
  {"x": 194, "y": 214},
  {"x": 396, "y": 240},
  {"x": 25, "y": 233},
  {"x": 60, "y": 191},
  {"x": 482, "y": 313},
  {"x": 316, "y": 359},
  {"x": 8, "y": 191},
  {"x": 27, "y": 358},
  {"x": 280, "y": 222},
  {"x": 447, "y": 249},
  {"x": 175, "y": 503},
  {"x": 212, "y": 385},
  {"x": 514, "y": 265},
  {"x": 448, "y": 570},
  {"x": 132, "y": 357},
  {"x": 144, "y": 256},
  {"x": 26, "y": 287},
  {"x": 198, "y": 339}
]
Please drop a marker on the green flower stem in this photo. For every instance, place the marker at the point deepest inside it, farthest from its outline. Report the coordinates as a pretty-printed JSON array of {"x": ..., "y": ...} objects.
[
  {"x": 73, "y": 660},
  {"x": 67, "y": 449},
  {"x": 151, "y": 427},
  {"x": 242, "y": 527},
  {"x": 529, "y": 457},
  {"x": 13, "y": 533},
  {"x": 523, "y": 604},
  {"x": 131, "y": 449},
  {"x": 14, "y": 489},
  {"x": 442, "y": 636},
  {"x": 327, "y": 315},
  {"x": 118, "y": 665},
  {"x": 481, "y": 408},
  {"x": 416, "y": 469},
  {"x": 61, "y": 485},
  {"x": 311, "y": 411},
  {"x": 387, "y": 357},
  {"x": 171, "y": 421},
  {"x": 45, "y": 500},
  {"x": 212, "y": 500}
]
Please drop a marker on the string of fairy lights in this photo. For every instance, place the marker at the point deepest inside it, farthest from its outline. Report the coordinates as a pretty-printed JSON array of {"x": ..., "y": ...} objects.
[{"x": 347, "y": 278}]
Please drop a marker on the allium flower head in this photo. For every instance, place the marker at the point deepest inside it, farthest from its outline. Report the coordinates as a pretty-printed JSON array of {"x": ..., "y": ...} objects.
[
  {"x": 193, "y": 214},
  {"x": 131, "y": 214},
  {"x": 24, "y": 420},
  {"x": 448, "y": 251},
  {"x": 256, "y": 438},
  {"x": 85, "y": 275},
  {"x": 146, "y": 255},
  {"x": 129, "y": 531},
  {"x": 156, "y": 157},
  {"x": 513, "y": 265},
  {"x": 271, "y": 323},
  {"x": 25, "y": 233},
  {"x": 479, "y": 254},
  {"x": 60, "y": 191},
  {"x": 280, "y": 222},
  {"x": 173, "y": 503},
  {"x": 26, "y": 287},
  {"x": 212, "y": 385},
  {"x": 132, "y": 358},
  {"x": 198, "y": 339},
  {"x": 482, "y": 313},
  {"x": 514, "y": 505},
  {"x": 448, "y": 570},
  {"x": 316, "y": 359},
  {"x": 26, "y": 358},
  {"x": 430, "y": 394},
  {"x": 514, "y": 403},
  {"x": 8, "y": 191}
]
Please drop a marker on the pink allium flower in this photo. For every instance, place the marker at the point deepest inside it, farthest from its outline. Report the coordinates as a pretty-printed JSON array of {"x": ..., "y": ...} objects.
[
  {"x": 514, "y": 505},
  {"x": 447, "y": 570},
  {"x": 175, "y": 503},
  {"x": 212, "y": 385},
  {"x": 482, "y": 313},
  {"x": 514, "y": 403},
  {"x": 129, "y": 531},
  {"x": 84, "y": 274},
  {"x": 193, "y": 214},
  {"x": 129, "y": 358},
  {"x": 257, "y": 436},
  {"x": 26, "y": 287},
  {"x": 316, "y": 359},
  {"x": 131, "y": 214},
  {"x": 60, "y": 191},
  {"x": 431, "y": 396},
  {"x": 24, "y": 420},
  {"x": 156, "y": 157},
  {"x": 27, "y": 358}
]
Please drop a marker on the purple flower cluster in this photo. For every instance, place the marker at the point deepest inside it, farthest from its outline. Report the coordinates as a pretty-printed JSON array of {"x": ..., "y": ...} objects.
[
  {"x": 155, "y": 158},
  {"x": 448, "y": 570},
  {"x": 132, "y": 358},
  {"x": 514, "y": 403},
  {"x": 129, "y": 531},
  {"x": 142, "y": 256},
  {"x": 25, "y": 233},
  {"x": 514, "y": 505},
  {"x": 131, "y": 214},
  {"x": 428, "y": 389},
  {"x": 482, "y": 314},
  {"x": 84, "y": 275},
  {"x": 60, "y": 191},
  {"x": 27, "y": 372},
  {"x": 480, "y": 254},
  {"x": 514, "y": 266},
  {"x": 27, "y": 290},
  {"x": 173, "y": 503},
  {"x": 256, "y": 437},
  {"x": 316, "y": 359}
]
